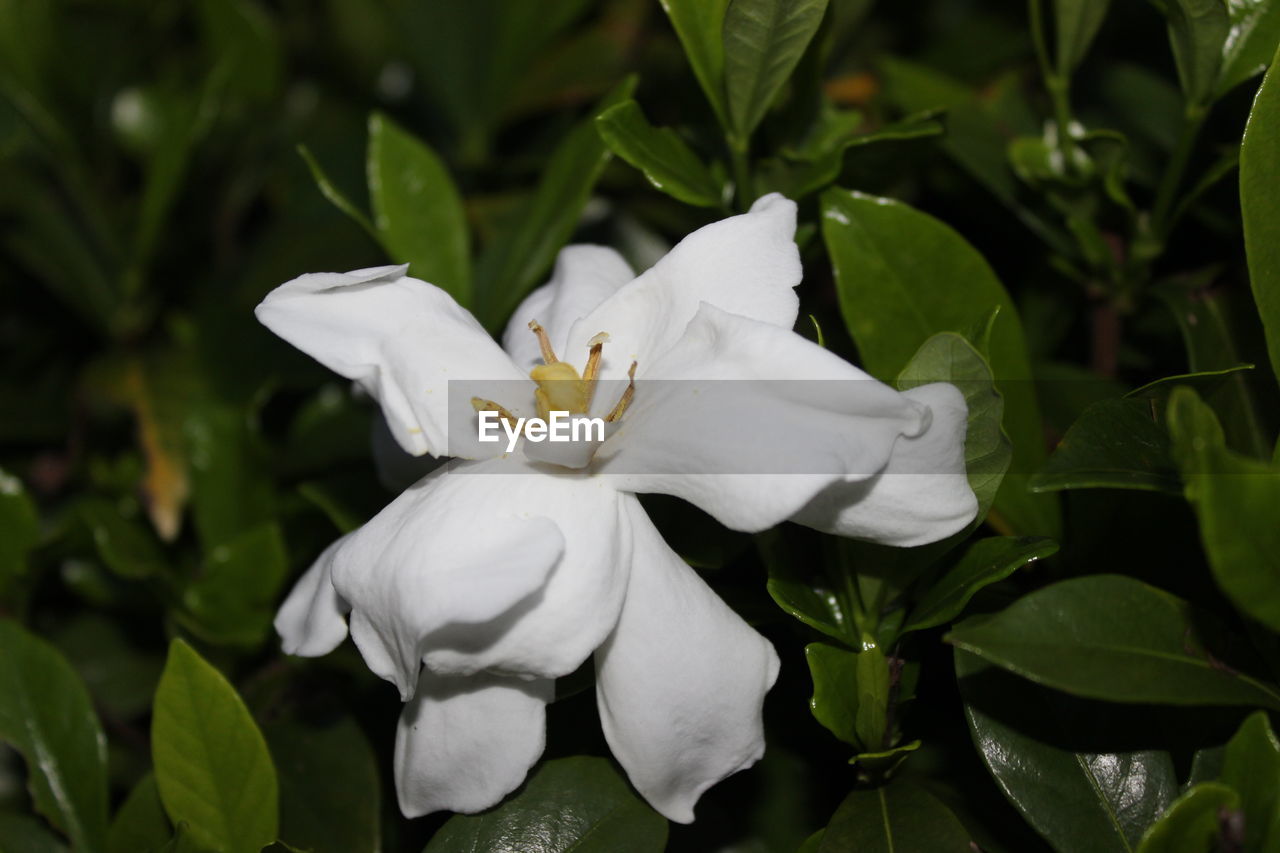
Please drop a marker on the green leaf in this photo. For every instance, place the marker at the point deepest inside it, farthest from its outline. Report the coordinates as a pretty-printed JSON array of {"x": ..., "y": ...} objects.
[
  {"x": 668, "y": 163},
  {"x": 986, "y": 562},
  {"x": 241, "y": 35},
  {"x": 234, "y": 599},
  {"x": 1253, "y": 39},
  {"x": 46, "y": 715},
  {"x": 1081, "y": 802},
  {"x": 121, "y": 674},
  {"x": 1260, "y": 205},
  {"x": 334, "y": 195},
  {"x": 126, "y": 546},
  {"x": 1235, "y": 499},
  {"x": 1077, "y": 22},
  {"x": 1193, "y": 822},
  {"x": 20, "y": 526},
  {"x": 896, "y": 818},
  {"x": 1198, "y": 30},
  {"x": 835, "y": 700},
  {"x": 700, "y": 27},
  {"x": 513, "y": 263},
  {"x": 902, "y": 276},
  {"x": 580, "y": 804},
  {"x": 21, "y": 833},
  {"x": 231, "y": 488},
  {"x": 329, "y": 787},
  {"x": 1202, "y": 382},
  {"x": 417, "y": 210},
  {"x": 1115, "y": 638},
  {"x": 815, "y": 601},
  {"x": 763, "y": 42},
  {"x": 1251, "y": 766},
  {"x": 141, "y": 823},
  {"x": 212, "y": 765},
  {"x": 1114, "y": 444}
]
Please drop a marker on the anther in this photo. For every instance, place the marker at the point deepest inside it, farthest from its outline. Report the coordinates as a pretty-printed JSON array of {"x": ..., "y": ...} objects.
[
  {"x": 482, "y": 405},
  {"x": 625, "y": 400},
  {"x": 548, "y": 354},
  {"x": 593, "y": 364}
]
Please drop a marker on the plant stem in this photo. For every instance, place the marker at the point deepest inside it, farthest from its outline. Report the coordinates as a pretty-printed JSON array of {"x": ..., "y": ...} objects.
[
  {"x": 1192, "y": 121},
  {"x": 741, "y": 171}
]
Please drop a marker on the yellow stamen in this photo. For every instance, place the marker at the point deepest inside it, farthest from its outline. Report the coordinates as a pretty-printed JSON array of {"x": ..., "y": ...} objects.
[
  {"x": 625, "y": 400},
  {"x": 482, "y": 405},
  {"x": 593, "y": 365},
  {"x": 544, "y": 343}
]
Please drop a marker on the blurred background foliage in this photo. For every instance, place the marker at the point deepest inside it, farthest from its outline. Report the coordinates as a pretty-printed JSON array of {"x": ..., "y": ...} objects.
[{"x": 1068, "y": 243}]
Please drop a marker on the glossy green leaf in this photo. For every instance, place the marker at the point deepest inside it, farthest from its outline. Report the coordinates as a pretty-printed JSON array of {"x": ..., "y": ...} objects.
[
  {"x": 1193, "y": 823},
  {"x": 1260, "y": 205},
  {"x": 871, "y": 719},
  {"x": 212, "y": 766},
  {"x": 125, "y": 545},
  {"x": 140, "y": 824},
  {"x": 902, "y": 276},
  {"x": 580, "y": 804},
  {"x": 517, "y": 258},
  {"x": 234, "y": 599},
  {"x": 668, "y": 163},
  {"x": 763, "y": 43},
  {"x": 417, "y": 210},
  {"x": 20, "y": 833},
  {"x": 1251, "y": 42},
  {"x": 1198, "y": 30},
  {"x": 19, "y": 527},
  {"x": 1081, "y": 802},
  {"x": 46, "y": 715},
  {"x": 329, "y": 787},
  {"x": 1115, "y": 638},
  {"x": 1077, "y": 22},
  {"x": 1251, "y": 767},
  {"x": 812, "y": 599},
  {"x": 700, "y": 27},
  {"x": 835, "y": 698},
  {"x": 896, "y": 817},
  {"x": 984, "y": 563},
  {"x": 1235, "y": 499},
  {"x": 1114, "y": 444}
]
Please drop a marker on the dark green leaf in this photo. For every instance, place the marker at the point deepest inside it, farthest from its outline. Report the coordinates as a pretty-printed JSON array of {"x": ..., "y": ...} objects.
[
  {"x": 121, "y": 674},
  {"x": 233, "y": 600},
  {"x": 668, "y": 163},
  {"x": 46, "y": 715},
  {"x": 329, "y": 787},
  {"x": 1260, "y": 204},
  {"x": 334, "y": 195},
  {"x": 1198, "y": 30},
  {"x": 512, "y": 264},
  {"x": 239, "y": 34},
  {"x": 231, "y": 490},
  {"x": 1254, "y": 35},
  {"x": 212, "y": 766},
  {"x": 835, "y": 697},
  {"x": 126, "y": 546},
  {"x": 579, "y": 804},
  {"x": 812, "y": 600},
  {"x": 1115, "y": 444},
  {"x": 897, "y": 817},
  {"x": 763, "y": 42},
  {"x": 417, "y": 210},
  {"x": 1203, "y": 382},
  {"x": 1251, "y": 766},
  {"x": 986, "y": 562},
  {"x": 1193, "y": 823},
  {"x": 1235, "y": 499},
  {"x": 20, "y": 526},
  {"x": 141, "y": 824},
  {"x": 700, "y": 26},
  {"x": 1115, "y": 638},
  {"x": 902, "y": 276},
  {"x": 21, "y": 833},
  {"x": 1077, "y": 23},
  {"x": 1081, "y": 802}
]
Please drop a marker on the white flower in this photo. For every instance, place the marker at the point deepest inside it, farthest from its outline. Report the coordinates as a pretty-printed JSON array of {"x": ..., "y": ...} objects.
[{"x": 473, "y": 593}]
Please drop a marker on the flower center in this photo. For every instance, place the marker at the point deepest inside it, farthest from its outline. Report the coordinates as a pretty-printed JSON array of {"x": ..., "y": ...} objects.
[{"x": 560, "y": 387}]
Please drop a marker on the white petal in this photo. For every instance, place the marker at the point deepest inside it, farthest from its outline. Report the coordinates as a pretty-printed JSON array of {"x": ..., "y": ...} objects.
[
  {"x": 747, "y": 265},
  {"x": 923, "y": 495},
  {"x": 400, "y": 338},
  {"x": 680, "y": 682},
  {"x": 491, "y": 565},
  {"x": 312, "y": 621},
  {"x": 463, "y": 744},
  {"x": 584, "y": 277},
  {"x": 578, "y": 606},
  {"x": 749, "y": 421}
]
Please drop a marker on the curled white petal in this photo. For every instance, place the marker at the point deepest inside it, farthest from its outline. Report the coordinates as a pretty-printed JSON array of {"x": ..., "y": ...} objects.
[
  {"x": 680, "y": 682},
  {"x": 312, "y": 621}
]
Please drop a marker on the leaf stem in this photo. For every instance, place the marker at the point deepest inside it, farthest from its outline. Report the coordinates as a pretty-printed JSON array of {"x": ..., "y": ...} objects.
[
  {"x": 738, "y": 155},
  {"x": 1192, "y": 121}
]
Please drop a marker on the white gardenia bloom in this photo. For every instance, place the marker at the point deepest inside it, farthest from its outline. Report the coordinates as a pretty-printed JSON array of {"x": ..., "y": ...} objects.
[{"x": 498, "y": 573}]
